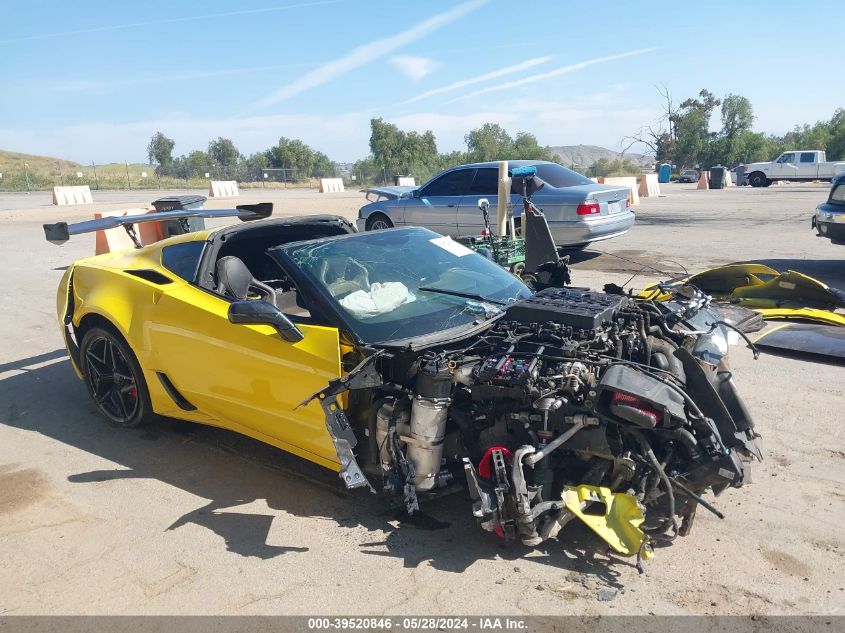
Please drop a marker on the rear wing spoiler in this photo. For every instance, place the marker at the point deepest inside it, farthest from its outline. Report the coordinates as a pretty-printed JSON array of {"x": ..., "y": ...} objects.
[{"x": 60, "y": 232}]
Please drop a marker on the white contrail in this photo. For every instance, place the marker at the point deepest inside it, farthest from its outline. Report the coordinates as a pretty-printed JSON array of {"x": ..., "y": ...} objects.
[
  {"x": 367, "y": 53},
  {"x": 474, "y": 80},
  {"x": 85, "y": 85},
  {"x": 516, "y": 83},
  {"x": 189, "y": 18}
]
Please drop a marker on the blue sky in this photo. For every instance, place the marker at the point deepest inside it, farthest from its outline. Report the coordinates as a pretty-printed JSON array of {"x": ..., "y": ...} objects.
[{"x": 93, "y": 80}]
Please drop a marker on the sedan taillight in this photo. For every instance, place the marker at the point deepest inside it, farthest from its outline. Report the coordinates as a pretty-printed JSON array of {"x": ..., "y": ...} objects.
[{"x": 589, "y": 208}]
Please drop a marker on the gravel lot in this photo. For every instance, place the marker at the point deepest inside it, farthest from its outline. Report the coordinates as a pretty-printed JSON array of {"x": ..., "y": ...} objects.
[{"x": 181, "y": 519}]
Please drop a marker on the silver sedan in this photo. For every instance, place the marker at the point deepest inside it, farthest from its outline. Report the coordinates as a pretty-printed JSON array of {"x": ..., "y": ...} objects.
[{"x": 578, "y": 210}]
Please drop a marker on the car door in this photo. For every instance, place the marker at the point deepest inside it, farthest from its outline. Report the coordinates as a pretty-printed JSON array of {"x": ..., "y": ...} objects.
[
  {"x": 244, "y": 377},
  {"x": 807, "y": 165},
  {"x": 785, "y": 167},
  {"x": 485, "y": 184},
  {"x": 435, "y": 205}
]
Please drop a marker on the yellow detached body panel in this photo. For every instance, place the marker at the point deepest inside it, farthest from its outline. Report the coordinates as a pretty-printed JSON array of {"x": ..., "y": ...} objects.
[{"x": 618, "y": 520}]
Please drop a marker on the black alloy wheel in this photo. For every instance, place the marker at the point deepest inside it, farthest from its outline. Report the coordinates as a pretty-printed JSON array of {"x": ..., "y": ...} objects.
[{"x": 114, "y": 379}]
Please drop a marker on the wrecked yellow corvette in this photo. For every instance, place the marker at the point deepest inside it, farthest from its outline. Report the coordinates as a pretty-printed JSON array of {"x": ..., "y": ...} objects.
[{"x": 412, "y": 365}]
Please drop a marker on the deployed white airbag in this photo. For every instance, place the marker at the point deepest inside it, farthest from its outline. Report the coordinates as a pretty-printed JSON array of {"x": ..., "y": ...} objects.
[{"x": 381, "y": 299}]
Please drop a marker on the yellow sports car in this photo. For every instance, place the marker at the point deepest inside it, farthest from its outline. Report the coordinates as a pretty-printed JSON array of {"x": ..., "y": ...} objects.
[{"x": 410, "y": 364}]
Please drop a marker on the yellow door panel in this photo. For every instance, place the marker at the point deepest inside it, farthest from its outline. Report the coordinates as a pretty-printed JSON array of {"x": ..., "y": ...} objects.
[{"x": 243, "y": 375}]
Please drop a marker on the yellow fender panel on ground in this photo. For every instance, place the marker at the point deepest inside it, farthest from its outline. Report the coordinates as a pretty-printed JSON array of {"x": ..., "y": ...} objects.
[
  {"x": 825, "y": 317},
  {"x": 619, "y": 524}
]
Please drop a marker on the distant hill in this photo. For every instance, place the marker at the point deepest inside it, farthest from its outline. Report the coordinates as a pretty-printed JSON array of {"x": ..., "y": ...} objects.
[
  {"x": 44, "y": 172},
  {"x": 586, "y": 155},
  {"x": 13, "y": 161}
]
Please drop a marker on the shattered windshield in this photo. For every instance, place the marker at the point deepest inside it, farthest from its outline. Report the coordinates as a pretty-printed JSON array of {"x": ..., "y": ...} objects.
[{"x": 404, "y": 283}]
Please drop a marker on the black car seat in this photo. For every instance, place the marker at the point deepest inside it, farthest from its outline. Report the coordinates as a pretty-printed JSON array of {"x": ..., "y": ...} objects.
[{"x": 235, "y": 280}]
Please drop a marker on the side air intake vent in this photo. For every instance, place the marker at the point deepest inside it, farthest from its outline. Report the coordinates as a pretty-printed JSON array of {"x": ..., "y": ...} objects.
[{"x": 152, "y": 276}]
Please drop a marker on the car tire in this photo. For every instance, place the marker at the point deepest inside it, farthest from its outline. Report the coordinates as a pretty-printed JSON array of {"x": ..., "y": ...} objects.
[
  {"x": 758, "y": 179},
  {"x": 114, "y": 378},
  {"x": 378, "y": 222}
]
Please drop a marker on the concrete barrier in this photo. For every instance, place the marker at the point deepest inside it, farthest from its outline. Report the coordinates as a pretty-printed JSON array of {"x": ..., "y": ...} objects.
[
  {"x": 331, "y": 185},
  {"x": 223, "y": 189},
  {"x": 649, "y": 186},
  {"x": 406, "y": 181},
  {"x": 704, "y": 180},
  {"x": 117, "y": 239},
  {"x": 72, "y": 195},
  {"x": 627, "y": 181}
]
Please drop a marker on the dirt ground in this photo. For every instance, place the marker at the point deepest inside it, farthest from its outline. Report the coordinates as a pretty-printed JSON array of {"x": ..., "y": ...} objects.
[{"x": 181, "y": 519}]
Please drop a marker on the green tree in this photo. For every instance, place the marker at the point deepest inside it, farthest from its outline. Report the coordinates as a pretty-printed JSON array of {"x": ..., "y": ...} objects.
[
  {"x": 737, "y": 116},
  {"x": 323, "y": 167},
  {"x": 253, "y": 166},
  {"x": 367, "y": 170},
  {"x": 291, "y": 154},
  {"x": 526, "y": 147},
  {"x": 492, "y": 142},
  {"x": 750, "y": 147},
  {"x": 693, "y": 136},
  {"x": 620, "y": 167},
  {"x": 396, "y": 152},
  {"x": 224, "y": 153},
  {"x": 194, "y": 165},
  {"x": 386, "y": 145},
  {"x": 836, "y": 142},
  {"x": 160, "y": 152},
  {"x": 296, "y": 155},
  {"x": 488, "y": 142},
  {"x": 811, "y": 136}
]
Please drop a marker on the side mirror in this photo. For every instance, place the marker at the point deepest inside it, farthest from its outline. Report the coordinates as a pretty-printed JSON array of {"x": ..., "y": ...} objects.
[
  {"x": 264, "y": 313},
  {"x": 415, "y": 193},
  {"x": 483, "y": 204}
]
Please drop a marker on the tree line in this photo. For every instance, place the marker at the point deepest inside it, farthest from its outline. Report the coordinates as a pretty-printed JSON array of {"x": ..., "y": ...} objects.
[
  {"x": 396, "y": 152},
  {"x": 222, "y": 160},
  {"x": 683, "y": 137},
  {"x": 393, "y": 152}
]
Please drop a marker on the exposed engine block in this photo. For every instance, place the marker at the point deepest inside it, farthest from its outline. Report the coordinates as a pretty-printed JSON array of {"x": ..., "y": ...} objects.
[{"x": 571, "y": 401}]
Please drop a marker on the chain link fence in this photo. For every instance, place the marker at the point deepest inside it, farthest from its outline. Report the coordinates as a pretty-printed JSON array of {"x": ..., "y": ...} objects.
[{"x": 41, "y": 175}]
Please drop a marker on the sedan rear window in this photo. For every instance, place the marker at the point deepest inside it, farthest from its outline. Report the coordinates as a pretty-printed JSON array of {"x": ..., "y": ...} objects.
[{"x": 559, "y": 176}]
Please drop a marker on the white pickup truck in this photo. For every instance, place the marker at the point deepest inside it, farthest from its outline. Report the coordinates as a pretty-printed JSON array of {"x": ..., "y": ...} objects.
[{"x": 793, "y": 165}]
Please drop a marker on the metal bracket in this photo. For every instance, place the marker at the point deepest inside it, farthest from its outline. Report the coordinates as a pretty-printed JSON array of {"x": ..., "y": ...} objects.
[
  {"x": 364, "y": 375},
  {"x": 130, "y": 231},
  {"x": 406, "y": 470}
]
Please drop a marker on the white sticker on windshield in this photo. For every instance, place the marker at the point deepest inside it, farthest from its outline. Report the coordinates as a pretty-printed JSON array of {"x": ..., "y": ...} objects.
[{"x": 448, "y": 244}]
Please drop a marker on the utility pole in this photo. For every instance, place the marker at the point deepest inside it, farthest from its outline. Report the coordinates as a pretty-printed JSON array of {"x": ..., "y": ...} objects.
[
  {"x": 26, "y": 175},
  {"x": 96, "y": 180},
  {"x": 61, "y": 174},
  {"x": 128, "y": 184}
]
